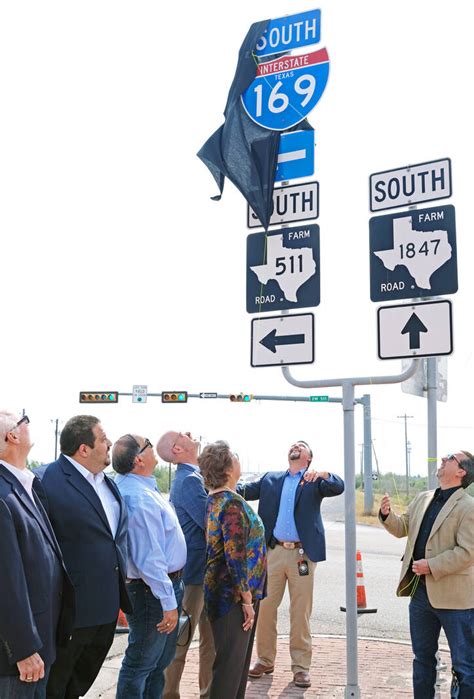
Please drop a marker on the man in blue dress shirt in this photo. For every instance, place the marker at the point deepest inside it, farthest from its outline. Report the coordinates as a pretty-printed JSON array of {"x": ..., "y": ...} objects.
[
  {"x": 156, "y": 558},
  {"x": 189, "y": 498},
  {"x": 289, "y": 505}
]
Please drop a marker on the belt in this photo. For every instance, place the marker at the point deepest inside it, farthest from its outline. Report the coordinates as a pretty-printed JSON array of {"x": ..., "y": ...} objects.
[
  {"x": 289, "y": 544},
  {"x": 176, "y": 575}
]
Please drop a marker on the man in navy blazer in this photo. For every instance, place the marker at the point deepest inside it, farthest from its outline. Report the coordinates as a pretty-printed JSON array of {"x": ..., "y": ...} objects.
[
  {"x": 36, "y": 596},
  {"x": 90, "y": 522},
  {"x": 189, "y": 498},
  {"x": 290, "y": 508}
]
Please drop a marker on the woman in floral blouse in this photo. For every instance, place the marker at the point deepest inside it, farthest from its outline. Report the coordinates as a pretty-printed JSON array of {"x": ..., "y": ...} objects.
[{"x": 235, "y": 577}]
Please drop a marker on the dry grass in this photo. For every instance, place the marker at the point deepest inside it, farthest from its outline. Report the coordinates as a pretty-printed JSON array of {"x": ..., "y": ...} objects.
[{"x": 372, "y": 519}]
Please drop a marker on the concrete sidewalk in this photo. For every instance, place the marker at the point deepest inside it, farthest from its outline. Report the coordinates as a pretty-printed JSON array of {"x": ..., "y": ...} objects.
[{"x": 384, "y": 671}]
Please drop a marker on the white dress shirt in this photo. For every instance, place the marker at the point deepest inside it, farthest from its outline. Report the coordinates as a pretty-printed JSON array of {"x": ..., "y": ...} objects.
[
  {"x": 25, "y": 477},
  {"x": 109, "y": 502}
]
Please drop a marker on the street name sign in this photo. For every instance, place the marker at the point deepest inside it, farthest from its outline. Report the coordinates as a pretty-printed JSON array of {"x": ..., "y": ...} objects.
[
  {"x": 413, "y": 254},
  {"x": 415, "y": 330},
  {"x": 295, "y": 155},
  {"x": 319, "y": 399},
  {"x": 283, "y": 269},
  {"x": 282, "y": 340},
  {"x": 410, "y": 185},
  {"x": 139, "y": 394},
  {"x": 296, "y": 202},
  {"x": 292, "y": 32},
  {"x": 286, "y": 89}
]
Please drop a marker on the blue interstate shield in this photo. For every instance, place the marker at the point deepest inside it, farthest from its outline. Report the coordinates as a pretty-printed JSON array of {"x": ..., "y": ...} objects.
[{"x": 286, "y": 90}]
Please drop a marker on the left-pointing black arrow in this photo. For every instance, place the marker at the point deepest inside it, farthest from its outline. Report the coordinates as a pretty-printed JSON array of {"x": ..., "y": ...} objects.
[
  {"x": 414, "y": 327},
  {"x": 271, "y": 340}
]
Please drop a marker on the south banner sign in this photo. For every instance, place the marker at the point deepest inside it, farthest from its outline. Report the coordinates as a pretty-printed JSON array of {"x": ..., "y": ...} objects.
[
  {"x": 291, "y": 32},
  {"x": 285, "y": 90}
]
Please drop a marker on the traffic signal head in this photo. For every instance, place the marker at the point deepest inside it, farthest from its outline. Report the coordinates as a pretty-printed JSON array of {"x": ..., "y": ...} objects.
[
  {"x": 174, "y": 396},
  {"x": 98, "y": 397},
  {"x": 240, "y": 397}
]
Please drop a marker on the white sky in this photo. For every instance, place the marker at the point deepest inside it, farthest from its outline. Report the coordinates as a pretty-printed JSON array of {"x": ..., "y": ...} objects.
[{"x": 117, "y": 268}]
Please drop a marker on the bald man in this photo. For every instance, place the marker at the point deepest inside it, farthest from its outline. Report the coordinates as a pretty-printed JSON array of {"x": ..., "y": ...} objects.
[{"x": 189, "y": 498}]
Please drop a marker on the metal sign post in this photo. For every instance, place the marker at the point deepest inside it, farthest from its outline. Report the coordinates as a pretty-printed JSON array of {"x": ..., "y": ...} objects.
[
  {"x": 432, "y": 422},
  {"x": 352, "y": 690}
]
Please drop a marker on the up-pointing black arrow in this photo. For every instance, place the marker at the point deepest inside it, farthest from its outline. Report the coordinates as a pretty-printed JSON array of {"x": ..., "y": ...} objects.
[
  {"x": 414, "y": 327},
  {"x": 271, "y": 340}
]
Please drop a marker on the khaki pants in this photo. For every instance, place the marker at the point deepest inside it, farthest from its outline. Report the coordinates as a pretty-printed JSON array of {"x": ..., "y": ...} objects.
[
  {"x": 193, "y": 603},
  {"x": 283, "y": 568}
]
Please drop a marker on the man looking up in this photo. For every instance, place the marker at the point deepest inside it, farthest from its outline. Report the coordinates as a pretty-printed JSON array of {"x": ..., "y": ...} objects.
[
  {"x": 90, "y": 522},
  {"x": 156, "y": 558},
  {"x": 36, "y": 596},
  {"x": 189, "y": 498},
  {"x": 438, "y": 573},
  {"x": 289, "y": 506}
]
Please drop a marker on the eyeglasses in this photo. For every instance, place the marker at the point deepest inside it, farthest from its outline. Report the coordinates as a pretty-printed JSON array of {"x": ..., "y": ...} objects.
[
  {"x": 450, "y": 457},
  {"x": 25, "y": 419},
  {"x": 145, "y": 446}
]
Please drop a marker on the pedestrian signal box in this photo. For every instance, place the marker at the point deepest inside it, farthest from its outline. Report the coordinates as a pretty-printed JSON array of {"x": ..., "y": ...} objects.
[
  {"x": 98, "y": 397},
  {"x": 240, "y": 397},
  {"x": 174, "y": 396}
]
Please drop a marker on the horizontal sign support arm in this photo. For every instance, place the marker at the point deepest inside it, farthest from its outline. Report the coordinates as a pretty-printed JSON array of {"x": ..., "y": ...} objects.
[{"x": 355, "y": 381}]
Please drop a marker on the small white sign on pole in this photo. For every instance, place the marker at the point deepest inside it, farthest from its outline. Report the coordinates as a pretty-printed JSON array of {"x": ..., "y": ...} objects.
[
  {"x": 417, "y": 385},
  {"x": 139, "y": 394}
]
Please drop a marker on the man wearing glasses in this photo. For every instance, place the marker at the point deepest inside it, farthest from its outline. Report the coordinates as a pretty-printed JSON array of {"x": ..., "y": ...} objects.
[
  {"x": 156, "y": 558},
  {"x": 90, "y": 522},
  {"x": 438, "y": 573},
  {"x": 189, "y": 498},
  {"x": 36, "y": 596}
]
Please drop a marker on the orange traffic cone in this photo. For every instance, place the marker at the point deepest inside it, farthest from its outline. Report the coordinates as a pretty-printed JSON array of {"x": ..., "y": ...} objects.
[
  {"x": 122, "y": 624},
  {"x": 360, "y": 589},
  {"x": 361, "y": 598}
]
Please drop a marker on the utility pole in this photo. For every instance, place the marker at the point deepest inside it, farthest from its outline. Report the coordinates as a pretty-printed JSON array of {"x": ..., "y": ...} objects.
[
  {"x": 56, "y": 435},
  {"x": 407, "y": 465}
]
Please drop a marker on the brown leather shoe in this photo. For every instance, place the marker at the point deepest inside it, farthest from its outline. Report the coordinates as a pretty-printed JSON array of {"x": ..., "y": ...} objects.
[
  {"x": 302, "y": 679},
  {"x": 258, "y": 669}
]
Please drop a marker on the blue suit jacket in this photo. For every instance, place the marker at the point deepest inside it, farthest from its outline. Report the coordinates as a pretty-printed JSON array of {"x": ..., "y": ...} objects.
[
  {"x": 36, "y": 596},
  {"x": 189, "y": 498},
  {"x": 95, "y": 560},
  {"x": 307, "y": 511}
]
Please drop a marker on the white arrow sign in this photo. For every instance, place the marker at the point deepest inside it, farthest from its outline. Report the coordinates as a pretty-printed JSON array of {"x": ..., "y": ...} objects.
[
  {"x": 281, "y": 340},
  {"x": 415, "y": 330}
]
